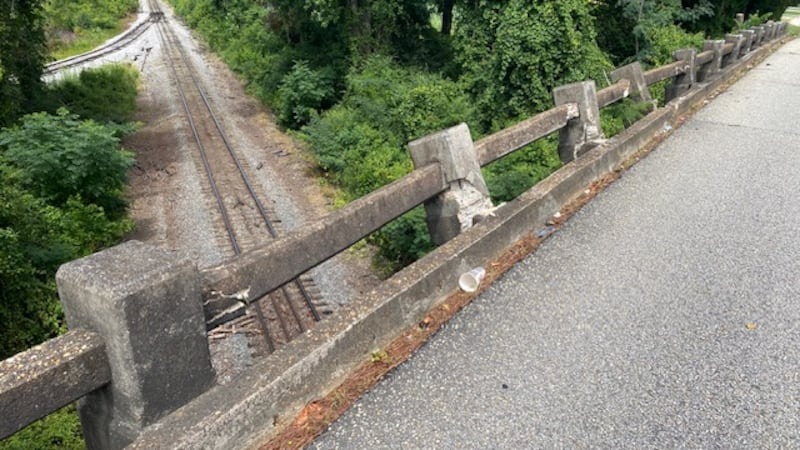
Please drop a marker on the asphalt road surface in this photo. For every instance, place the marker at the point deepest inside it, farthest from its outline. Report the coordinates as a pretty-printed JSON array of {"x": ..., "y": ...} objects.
[{"x": 665, "y": 314}]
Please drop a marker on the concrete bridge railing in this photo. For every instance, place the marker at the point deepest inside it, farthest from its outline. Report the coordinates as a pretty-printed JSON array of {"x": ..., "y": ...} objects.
[{"x": 137, "y": 349}]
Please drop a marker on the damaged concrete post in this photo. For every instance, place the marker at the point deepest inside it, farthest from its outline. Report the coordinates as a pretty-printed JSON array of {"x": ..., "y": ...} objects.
[
  {"x": 708, "y": 71},
  {"x": 452, "y": 212},
  {"x": 146, "y": 305},
  {"x": 749, "y": 36},
  {"x": 683, "y": 82},
  {"x": 633, "y": 73},
  {"x": 582, "y": 133},
  {"x": 733, "y": 56}
]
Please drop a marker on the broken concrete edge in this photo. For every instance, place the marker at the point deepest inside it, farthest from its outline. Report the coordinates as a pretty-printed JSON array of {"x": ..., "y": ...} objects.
[{"x": 252, "y": 408}]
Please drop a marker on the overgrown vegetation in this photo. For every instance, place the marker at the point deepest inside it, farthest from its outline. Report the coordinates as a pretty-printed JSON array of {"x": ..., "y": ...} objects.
[
  {"x": 62, "y": 179},
  {"x": 76, "y": 26},
  {"x": 62, "y": 184},
  {"x": 359, "y": 79}
]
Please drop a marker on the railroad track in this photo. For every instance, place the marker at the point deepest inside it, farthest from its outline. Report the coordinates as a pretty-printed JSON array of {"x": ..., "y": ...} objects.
[
  {"x": 294, "y": 308},
  {"x": 120, "y": 42}
]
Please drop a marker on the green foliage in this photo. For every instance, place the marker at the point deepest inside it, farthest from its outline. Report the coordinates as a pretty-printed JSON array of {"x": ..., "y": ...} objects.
[
  {"x": 621, "y": 115},
  {"x": 35, "y": 238},
  {"x": 514, "y": 52},
  {"x": 403, "y": 241},
  {"x": 754, "y": 20},
  {"x": 301, "y": 95},
  {"x": 360, "y": 143},
  {"x": 75, "y": 26},
  {"x": 517, "y": 172},
  {"x": 722, "y": 21},
  {"x": 60, "y": 430},
  {"x": 634, "y": 29},
  {"x": 663, "y": 41},
  {"x": 86, "y": 14},
  {"x": 59, "y": 157},
  {"x": 22, "y": 56},
  {"x": 89, "y": 94},
  {"x": 29, "y": 250}
]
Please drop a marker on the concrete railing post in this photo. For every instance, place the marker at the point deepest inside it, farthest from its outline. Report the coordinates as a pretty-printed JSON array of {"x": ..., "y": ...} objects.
[
  {"x": 769, "y": 32},
  {"x": 740, "y": 19},
  {"x": 749, "y": 35},
  {"x": 452, "y": 212},
  {"x": 710, "y": 70},
  {"x": 733, "y": 56},
  {"x": 146, "y": 305},
  {"x": 633, "y": 73},
  {"x": 760, "y": 31},
  {"x": 682, "y": 82},
  {"x": 583, "y": 132}
]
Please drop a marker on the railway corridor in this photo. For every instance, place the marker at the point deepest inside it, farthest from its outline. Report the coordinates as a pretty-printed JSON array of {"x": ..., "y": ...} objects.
[{"x": 214, "y": 177}]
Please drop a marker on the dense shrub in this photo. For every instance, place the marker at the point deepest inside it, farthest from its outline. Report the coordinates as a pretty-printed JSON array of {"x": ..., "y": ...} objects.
[
  {"x": 61, "y": 157},
  {"x": 361, "y": 143},
  {"x": 301, "y": 95},
  {"x": 515, "y": 173},
  {"x": 514, "y": 52},
  {"x": 22, "y": 56},
  {"x": 87, "y": 94},
  {"x": 60, "y": 430},
  {"x": 47, "y": 217}
]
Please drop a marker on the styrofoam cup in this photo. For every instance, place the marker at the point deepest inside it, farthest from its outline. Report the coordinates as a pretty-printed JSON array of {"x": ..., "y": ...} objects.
[{"x": 469, "y": 281}]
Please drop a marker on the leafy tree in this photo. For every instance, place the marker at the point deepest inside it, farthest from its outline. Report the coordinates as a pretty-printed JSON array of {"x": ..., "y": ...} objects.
[
  {"x": 60, "y": 157},
  {"x": 631, "y": 27},
  {"x": 723, "y": 19},
  {"x": 39, "y": 233},
  {"x": 512, "y": 54},
  {"x": 301, "y": 95},
  {"x": 22, "y": 56}
]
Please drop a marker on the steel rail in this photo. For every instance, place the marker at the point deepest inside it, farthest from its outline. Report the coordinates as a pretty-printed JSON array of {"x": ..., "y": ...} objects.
[{"x": 167, "y": 35}]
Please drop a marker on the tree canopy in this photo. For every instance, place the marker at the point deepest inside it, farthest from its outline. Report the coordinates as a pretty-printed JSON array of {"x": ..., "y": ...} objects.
[{"x": 23, "y": 52}]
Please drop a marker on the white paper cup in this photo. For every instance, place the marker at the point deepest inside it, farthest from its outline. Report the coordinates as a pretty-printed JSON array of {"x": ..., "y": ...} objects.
[{"x": 469, "y": 281}]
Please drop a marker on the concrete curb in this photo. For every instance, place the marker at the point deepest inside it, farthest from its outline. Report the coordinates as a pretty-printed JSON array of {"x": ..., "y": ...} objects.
[{"x": 247, "y": 411}]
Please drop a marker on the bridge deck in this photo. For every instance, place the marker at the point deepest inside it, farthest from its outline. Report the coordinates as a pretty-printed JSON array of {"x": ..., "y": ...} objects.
[{"x": 666, "y": 313}]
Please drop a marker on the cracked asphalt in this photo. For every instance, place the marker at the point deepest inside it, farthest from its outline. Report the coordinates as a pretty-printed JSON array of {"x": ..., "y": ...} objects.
[{"x": 664, "y": 314}]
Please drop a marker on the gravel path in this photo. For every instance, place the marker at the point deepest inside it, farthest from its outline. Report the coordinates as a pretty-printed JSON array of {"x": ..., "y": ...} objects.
[{"x": 665, "y": 313}]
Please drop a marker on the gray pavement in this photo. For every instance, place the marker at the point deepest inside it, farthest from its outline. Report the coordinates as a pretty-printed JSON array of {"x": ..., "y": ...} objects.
[{"x": 665, "y": 314}]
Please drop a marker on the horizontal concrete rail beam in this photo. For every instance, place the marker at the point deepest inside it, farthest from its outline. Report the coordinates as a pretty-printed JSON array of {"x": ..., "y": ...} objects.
[
  {"x": 499, "y": 144},
  {"x": 614, "y": 93},
  {"x": 266, "y": 268},
  {"x": 50, "y": 376},
  {"x": 727, "y": 48},
  {"x": 704, "y": 57},
  {"x": 662, "y": 73}
]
